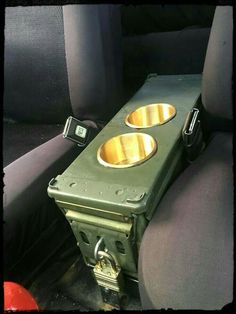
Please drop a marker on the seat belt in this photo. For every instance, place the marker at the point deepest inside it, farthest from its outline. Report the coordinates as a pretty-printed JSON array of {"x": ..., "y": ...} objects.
[{"x": 80, "y": 132}]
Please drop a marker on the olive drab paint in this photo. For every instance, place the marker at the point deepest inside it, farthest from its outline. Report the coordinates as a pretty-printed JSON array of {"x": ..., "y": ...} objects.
[{"x": 117, "y": 204}]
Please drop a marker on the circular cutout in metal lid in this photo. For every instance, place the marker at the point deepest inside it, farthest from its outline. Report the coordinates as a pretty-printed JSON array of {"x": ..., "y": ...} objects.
[
  {"x": 126, "y": 150},
  {"x": 150, "y": 115}
]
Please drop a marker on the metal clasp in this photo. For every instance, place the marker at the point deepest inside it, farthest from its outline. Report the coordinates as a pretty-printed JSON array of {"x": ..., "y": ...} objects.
[
  {"x": 102, "y": 255},
  {"x": 192, "y": 135},
  {"x": 96, "y": 249},
  {"x": 108, "y": 276}
]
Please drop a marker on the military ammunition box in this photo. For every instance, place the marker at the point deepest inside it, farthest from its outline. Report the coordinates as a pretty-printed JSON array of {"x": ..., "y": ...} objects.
[{"x": 113, "y": 187}]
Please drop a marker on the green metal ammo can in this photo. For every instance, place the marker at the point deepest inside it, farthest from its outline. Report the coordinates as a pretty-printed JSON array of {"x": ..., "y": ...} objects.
[{"x": 113, "y": 187}]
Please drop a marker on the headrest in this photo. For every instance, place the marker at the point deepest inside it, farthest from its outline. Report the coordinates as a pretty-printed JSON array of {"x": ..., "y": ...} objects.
[{"x": 217, "y": 72}]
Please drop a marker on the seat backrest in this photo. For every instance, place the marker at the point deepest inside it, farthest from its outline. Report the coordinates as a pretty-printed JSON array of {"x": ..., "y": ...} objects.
[
  {"x": 217, "y": 73},
  {"x": 35, "y": 76},
  {"x": 157, "y": 18},
  {"x": 94, "y": 59},
  {"x": 61, "y": 61}
]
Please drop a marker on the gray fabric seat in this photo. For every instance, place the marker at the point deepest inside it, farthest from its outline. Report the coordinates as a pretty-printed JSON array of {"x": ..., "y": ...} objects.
[
  {"x": 186, "y": 255},
  {"x": 49, "y": 70},
  {"x": 186, "y": 258},
  {"x": 50, "y": 84},
  {"x": 165, "y": 53},
  {"x": 165, "y": 39},
  {"x": 21, "y": 138}
]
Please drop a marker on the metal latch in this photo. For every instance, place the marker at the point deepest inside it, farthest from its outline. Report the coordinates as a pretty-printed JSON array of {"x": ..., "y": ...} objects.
[
  {"x": 192, "y": 135},
  {"x": 109, "y": 277}
]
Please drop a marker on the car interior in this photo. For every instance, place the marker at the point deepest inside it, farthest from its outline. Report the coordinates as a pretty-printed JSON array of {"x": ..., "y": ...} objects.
[{"x": 118, "y": 155}]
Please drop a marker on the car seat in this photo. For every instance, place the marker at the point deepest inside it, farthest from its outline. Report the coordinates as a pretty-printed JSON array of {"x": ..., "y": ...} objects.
[
  {"x": 164, "y": 39},
  {"x": 186, "y": 255},
  {"x": 58, "y": 61}
]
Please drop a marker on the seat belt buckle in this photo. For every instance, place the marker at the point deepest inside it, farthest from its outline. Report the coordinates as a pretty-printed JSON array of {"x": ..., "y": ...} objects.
[
  {"x": 192, "y": 135},
  {"x": 78, "y": 132}
]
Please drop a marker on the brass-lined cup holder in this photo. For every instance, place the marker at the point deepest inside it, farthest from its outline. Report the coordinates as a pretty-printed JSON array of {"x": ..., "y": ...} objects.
[
  {"x": 126, "y": 150},
  {"x": 150, "y": 115}
]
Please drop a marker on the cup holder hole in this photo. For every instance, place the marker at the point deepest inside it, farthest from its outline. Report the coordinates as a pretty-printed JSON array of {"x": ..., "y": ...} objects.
[
  {"x": 126, "y": 150},
  {"x": 150, "y": 115}
]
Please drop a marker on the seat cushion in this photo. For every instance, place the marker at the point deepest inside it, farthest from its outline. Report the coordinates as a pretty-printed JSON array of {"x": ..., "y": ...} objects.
[
  {"x": 186, "y": 255},
  {"x": 20, "y": 138},
  {"x": 33, "y": 226}
]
